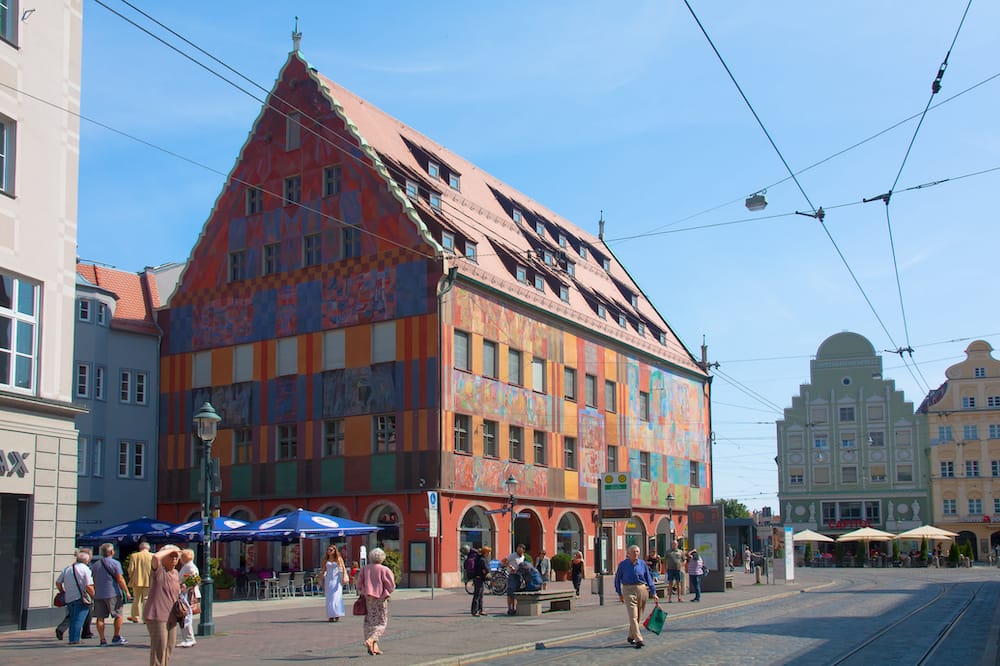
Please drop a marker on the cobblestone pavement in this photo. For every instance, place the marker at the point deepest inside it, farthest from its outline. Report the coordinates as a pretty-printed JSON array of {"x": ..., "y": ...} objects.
[{"x": 441, "y": 631}]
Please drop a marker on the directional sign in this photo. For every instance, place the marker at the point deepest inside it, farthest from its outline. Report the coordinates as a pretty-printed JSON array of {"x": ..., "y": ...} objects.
[
  {"x": 432, "y": 513},
  {"x": 616, "y": 495}
]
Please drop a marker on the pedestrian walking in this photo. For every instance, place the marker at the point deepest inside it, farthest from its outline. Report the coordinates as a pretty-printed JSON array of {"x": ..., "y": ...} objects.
[
  {"x": 110, "y": 593},
  {"x": 76, "y": 582},
  {"x": 190, "y": 594},
  {"x": 334, "y": 579},
  {"x": 480, "y": 573},
  {"x": 576, "y": 571},
  {"x": 158, "y": 611},
  {"x": 696, "y": 569},
  {"x": 376, "y": 582},
  {"x": 634, "y": 584},
  {"x": 747, "y": 559},
  {"x": 676, "y": 559},
  {"x": 138, "y": 579}
]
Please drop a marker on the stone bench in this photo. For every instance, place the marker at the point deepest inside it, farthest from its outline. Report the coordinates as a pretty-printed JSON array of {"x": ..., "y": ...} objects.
[
  {"x": 661, "y": 589},
  {"x": 529, "y": 603}
]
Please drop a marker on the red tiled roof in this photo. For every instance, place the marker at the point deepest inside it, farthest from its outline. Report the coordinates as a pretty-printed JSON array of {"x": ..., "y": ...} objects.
[
  {"x": 480, "y": 212},
  {"x": 137, "y": 296}
]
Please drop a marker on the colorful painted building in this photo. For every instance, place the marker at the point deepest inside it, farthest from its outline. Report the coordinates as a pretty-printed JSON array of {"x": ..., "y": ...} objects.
[{"x": 375, "y": 317}]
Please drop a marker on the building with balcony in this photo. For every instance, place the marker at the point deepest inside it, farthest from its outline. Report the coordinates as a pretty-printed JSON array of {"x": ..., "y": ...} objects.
[
  {"x": 850, "y": 448},
  {"x": 40, "y": 59},
  {"x": 963, "y": 422},
  {"x": 375, "y": 317},
  {"x": 116, "y": 378}
]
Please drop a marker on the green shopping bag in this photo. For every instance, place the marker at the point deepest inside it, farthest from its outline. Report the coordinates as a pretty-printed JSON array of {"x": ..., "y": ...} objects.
[{"x": 656, "y": 620}]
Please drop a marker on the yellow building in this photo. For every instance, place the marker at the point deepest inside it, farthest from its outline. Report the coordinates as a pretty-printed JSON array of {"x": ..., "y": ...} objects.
[{"x": 963, "y": 416}]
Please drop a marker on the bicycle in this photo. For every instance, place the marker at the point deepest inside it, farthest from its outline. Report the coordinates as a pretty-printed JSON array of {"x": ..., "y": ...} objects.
[{"x": 496, "y": 582}]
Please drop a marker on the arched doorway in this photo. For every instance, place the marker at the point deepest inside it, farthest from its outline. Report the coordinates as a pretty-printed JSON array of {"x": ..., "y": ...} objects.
[
  {"x": 569, "y": 534},
  {"x": 965, "y": 537},
  {"x": 635, "y": 533},
  {"x": 527, "y": 531},
  {"x": 476, "y": 530},
  {"x": 661, "y": 542},
  {"x": 389, "y": 518}
]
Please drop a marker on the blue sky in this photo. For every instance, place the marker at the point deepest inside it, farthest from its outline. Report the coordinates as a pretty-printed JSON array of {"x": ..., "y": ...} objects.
[{"x": 586, "y": 106}]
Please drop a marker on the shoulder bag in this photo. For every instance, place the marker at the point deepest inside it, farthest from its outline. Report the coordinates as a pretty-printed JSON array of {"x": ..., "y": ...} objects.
[
  {"x": 360, "y": 606},
  {"x": 85, "y": 597}
]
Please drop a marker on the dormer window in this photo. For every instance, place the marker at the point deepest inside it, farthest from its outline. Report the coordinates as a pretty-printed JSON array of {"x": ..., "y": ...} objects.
[
  {"x": 583, "y": 251},
  {"x": 517, "y": 216},
  {"x": 607, "y": 264},
  {"x": 470, "y": 250},
  {"x": 562, "y": 241},
  {"x": 448, "y": 240},
  {"x": 522, "y": 274},
  {"x": 622, "y": 321},
  {"x": 635, "y": 300},
  {"x": 411, "y": 189},
  {"x": 540, "y": 228},
  {"x": 642, "y": 328},
  {"x": 564, "y": 293},
  {"x": 435, "y": 200},
  {"x": 602, "y": 311},
  {"x": 434, "y": 170},
  {"x": 663, "y": 338},
  {"x": 548, "y": 258},
  {"x": 539, "y": 283},
  {"x": 453, "y": 181},
  {"x": 571, "y": 268}
]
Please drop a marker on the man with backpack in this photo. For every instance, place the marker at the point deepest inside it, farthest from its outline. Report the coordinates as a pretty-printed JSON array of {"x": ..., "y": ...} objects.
[{"x": 479, "y": 574}]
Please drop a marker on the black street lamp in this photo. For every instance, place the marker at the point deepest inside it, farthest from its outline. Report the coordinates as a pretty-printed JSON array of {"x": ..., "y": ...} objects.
[
  {"x": 670, "y": 519},
  {"x": 207, "y": 423},
  {"x": 511, "y": 484}
]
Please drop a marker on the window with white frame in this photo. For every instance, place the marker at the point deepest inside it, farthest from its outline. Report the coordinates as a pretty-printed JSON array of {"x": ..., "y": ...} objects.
[
  {"x": 140, "y": 388},
  {"x": 83, "y": 309},
  {"x": 583, "y": 250},
  {"x": 876, "y": 438},
  {"x": 332, "y": 176},
  {"x": 610, "y": 396},
  {"x": 8, "y": 152},
  {"x": 463, "y": 354},
  {"x": 695, "y": 474},
  {"x": 796, "y": 476},
  {"x": 878, "y": 474},
  {"x": 522, "y": 274},
  {"x": 82, "y": 380},
  {"x": 288, "y": 356},
  {"x": 412, "y": 190},
  {"x": 995, "y": 467},
  {"x": 849, "y": 474},
  {"x": 821, "y": 442},
  {"x": 124, "y": 458},
  {"x": 622, "y": 321},
  {"x": 569, "y": 383},
  {"x": 590, "y": 390},
  {"x": 102, "y": 314},
  {"x": 644, "y": 468},
  {"x": 949, "y": 507},
  {"x": 82, "y": 455},
  {"x": 288, "y": 441},
  {"x": 515, "y": 443},
  {"x": 490, "y": 359},
  {"x": 19, "y": 321},
  {"x": 292, "y": 190},
  {"x": 539, "y": 282},
  {"x": 448, "y": 240},
  {"x": 947, "y": 469},
  {"x": 242, "y": 443},
  {"x": 540, "y": 441},
  {"x": 995, "y": 431},
  {"x": 971, "y": 468},
  {"x": 612, "y": 453},
  {"x": 138, "y": 460},
  {"x": 538, "y": 382},
  {"x": 312, "y": 250},
  {"x": 993, "y": 401},
  {"x": 606, "y": 263},
  {"x": 293, "y": 131},
  {"x": 968, "y": 402},
  {"x": 125, "y": 386},
  {"x": 970, "y": 432},
  {"x": 434, "y": 170},
  {"x": 602, "y": 311},
  {"x": 515, "y": 367},
  {"x": 979, "y": 373},
  {"x": 471, "y": 251},
  {"x": 435, "y": 200},
  {"x": 569, "y": 452},
  {"x": 904, "y": 473},
  {"x": 873, "y": 511},
  {"x": 463, "y": 444},
  {"x": 548, "y": 258},
  {"x": 571, "y": 269},
  {"x": 643, "y": 406},
  {"x": 847, "y": 441},
  {"x": 490, "y": 447},
  {"x": 564, "y": 293},
  {"x": 975, "y": 506},
  {"x": 996, "y": 505},
  {"x": 944, "y": 434},
  {"x": 385, "y": 433},
  {"x": 540, "y": 228},
  {"x": 333, "y": 437},
  {"x": 97, "y": 457},
  {"x": 334, "y": 350},
  {"x": 454, "y": 181},
  {"x": 634, "y": 300},
  {"x": 517, "y": 216}
]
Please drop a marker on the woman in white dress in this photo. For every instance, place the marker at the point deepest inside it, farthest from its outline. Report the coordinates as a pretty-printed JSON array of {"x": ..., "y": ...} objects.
[
  {"x": 190, "y": 595},
  {"x": 334, "y": 579}
]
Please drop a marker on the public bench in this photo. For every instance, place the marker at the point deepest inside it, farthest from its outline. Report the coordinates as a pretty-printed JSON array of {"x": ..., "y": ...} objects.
[
  {"x": 661, "y": 589},
  {"x": 529, "y": 603}
]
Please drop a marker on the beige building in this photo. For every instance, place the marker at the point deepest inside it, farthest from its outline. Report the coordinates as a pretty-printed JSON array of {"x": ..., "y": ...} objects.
[
  {"x": 40, "y": 57},
  {"x": 963, "y": 416}
]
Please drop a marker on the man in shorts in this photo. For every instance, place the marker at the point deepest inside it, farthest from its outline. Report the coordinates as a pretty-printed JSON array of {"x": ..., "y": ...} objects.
[
  {"x": 675, "y": 564},
  {"x": 110, "y": 593}
]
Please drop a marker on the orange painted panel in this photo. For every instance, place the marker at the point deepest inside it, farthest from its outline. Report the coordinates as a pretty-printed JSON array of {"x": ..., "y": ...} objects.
[
  {"x": 571, "y": 484},
  {"x": 611, "y": 428},
  {"x": 357, "y": 436},
  {"x": 222, "y": 366},
  {"x": 358, "y": 344}
]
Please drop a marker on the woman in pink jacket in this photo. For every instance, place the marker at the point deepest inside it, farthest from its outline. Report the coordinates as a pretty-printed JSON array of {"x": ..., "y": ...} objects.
[{"x": 375, "y": 582}]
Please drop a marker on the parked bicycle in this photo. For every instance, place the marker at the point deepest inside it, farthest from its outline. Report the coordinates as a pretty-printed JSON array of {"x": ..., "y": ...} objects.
[{"x": 496, "y": 582}]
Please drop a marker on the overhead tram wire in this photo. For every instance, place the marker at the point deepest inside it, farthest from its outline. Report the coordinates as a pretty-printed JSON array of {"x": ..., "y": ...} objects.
[
  {"x": 887, "y": 197},
  {"x": 746, "y": 390}
]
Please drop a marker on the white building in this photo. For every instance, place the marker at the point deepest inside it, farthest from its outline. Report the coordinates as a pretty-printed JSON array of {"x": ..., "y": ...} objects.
[{"x": 40, "y": 57}]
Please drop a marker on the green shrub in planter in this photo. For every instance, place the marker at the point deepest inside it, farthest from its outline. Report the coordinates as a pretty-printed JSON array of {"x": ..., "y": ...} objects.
[{"x": 562, "y": 562}]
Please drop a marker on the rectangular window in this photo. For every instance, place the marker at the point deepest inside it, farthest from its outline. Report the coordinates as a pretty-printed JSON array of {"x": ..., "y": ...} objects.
[
  {"x": 538, "y": 374},
  {"x": 643, "y": 406},
  {"x": 904, "y": 473},
  {"x": 944, "y": 434},
  {"x": 471, "y": 250},
  {"x": 873, "y": 512},
  {"x": 333, "y": 437},
  {"x": 829, "y": 510},
  {"x": 8, "y": 143},
  {"x": 138, "y": 460},
  {"x": 288, "y": 442},
  {"x": 490, "y": 447},
  {"x": 695, "y": 468},
  {"x": 996, "y": 505},
  {"x": 490, "y": 363},
  {"x": 622, "y": 321},
  {"x": 454, "y": 181},
  {"x": 140, "y": 388},
  {"x": 583, "y": 250},
  {"x": 878, "y": 473},
  {"x": 571, "y": 269},
  {"x": 350, "y": 242},
  {"x": 331, "y": 180},
  {"x": 903, "y": 437},
  {"x": 463, "y": 355},
  {"x": 850, "y": 510},
  {"x": 548, "y": 258},
  {"x": 385, "y": 433},
  {"x": 102, "y": 314},
  {"x": 876, "y": 412},
  {"x": 796, "y": 476},
  {"x": 522, "y": 275},
  {"x": 18, "y": 327},
  {"x": 876, "y": 438},
  {"x": 979, "y": 373},
  {"x": 564, "y": 293},
  {"x": 817, "y": 415},
  {"x": 82, "y": 457},
  {"x": 125, "y": 386},
  {"x": 540, "y": 457},
  {"x": 821, "y": 442},
  {"x": 241, "y": 445},
  {"x": 242, "y": 363},
  {"x": 516, "y": 215},
  {"x": 270, "y": 259},
  {"x": 411, "y": 189},
  {"x": 968, "y": 402},
  {"x": 847, "y": 415},
  {"x": 462, "y": 427},
  {"x": 847, "y": 442},
  {"x": 995, "y": 467},
  {"x": 971, "y": 468},
  {"x": 610, "y": 396},
  {"x": 447, "y": 240},
  {"x": 606, "y": 264},
  {"x": 795, "y": 441},
  {"x": 97, "y": 457},
  {"x": 83, "y": 309},
  {"x": 970, "y": 432},
  {"x": 539, "y": 283},
  {"x": 849, "y": 474},
  {"x": 514, "y": 368},
  {"x": 312, "y": 249},
  {"x": 590, "y": 390},
  {"x": 540, "y": 228},
  {"x": 569, "y": 452},
  {"x": 255, "y": 200},
  {"x": 602, "y": 311},
  {"x": 612, "y": 458},
  {"x": 434, "y": 170},
  {"x": 435, "y": 200},
  {"x": 292, "y": 190},
  {"x": 515, "y": 440},
  {"x": 293, "y": 131},
  {"x": 569, "y": 383},
  {"x": 287, "y": 356},
  {"x": 237, "y": 266},
  {"x": 949, "y": 507},
  {"x": 947, "y": 469},
  {"x": 644, "y": 467},
  {"x": 975, "y": 506},
  {"x": 82, "y": 380},
  {"x": 821, "y": 475},
  {"x": 124, "y": 456},
  {"x": 993, "y": 401}
]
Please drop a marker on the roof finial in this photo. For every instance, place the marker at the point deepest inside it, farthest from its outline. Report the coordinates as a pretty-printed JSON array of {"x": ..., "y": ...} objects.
[
  {"x": 296, "y": 36},
  {"x": 600, "y": 226}
]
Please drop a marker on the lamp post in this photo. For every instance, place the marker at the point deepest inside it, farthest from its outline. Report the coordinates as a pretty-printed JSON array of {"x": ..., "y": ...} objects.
[
  {"x": 670, "y": 519},
  {"x": 206, "y": 421},
  {"x": 511, "y": 484}
]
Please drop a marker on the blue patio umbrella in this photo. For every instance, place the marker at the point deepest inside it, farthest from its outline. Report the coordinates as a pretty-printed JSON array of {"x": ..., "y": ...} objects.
[
  {"x": 130, "y": 533},
  {"x": 192, "y": 531},
  {"x": 299, "y": 524}
]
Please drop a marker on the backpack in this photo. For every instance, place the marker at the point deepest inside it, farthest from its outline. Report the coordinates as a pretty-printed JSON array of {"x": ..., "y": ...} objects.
[
  {"x": 470, "y": 564},
  {"x": 534, "y": 581}
]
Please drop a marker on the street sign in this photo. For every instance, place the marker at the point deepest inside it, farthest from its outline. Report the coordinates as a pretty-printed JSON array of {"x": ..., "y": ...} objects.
[
  {"x": 523, "y": 514},
  {"x": 616, "y": 495},
  {"x": 432, "y": 513}
]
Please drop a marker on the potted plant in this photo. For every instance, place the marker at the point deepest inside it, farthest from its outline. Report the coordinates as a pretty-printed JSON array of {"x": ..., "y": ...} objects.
[
  {"x": 808, "y": 556},
  {"x": 223, "y": 581},
  {"x": 561, "y": 564}
]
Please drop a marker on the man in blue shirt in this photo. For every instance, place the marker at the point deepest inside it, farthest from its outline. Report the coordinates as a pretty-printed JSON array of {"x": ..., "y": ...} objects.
[
  {"x": 110, "y": 593},
  {"x": 632, "y": 580}
]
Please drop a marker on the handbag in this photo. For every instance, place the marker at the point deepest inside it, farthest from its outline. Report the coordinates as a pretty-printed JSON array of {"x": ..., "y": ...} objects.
[
  {"x": 656, "y": 620},
  {"x": 60, "y": 600},
  {"x": 360, "y": 607},
  {"x": 179, "y": 612},
  {"x": 196, "y": 607}
]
